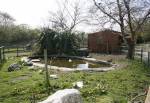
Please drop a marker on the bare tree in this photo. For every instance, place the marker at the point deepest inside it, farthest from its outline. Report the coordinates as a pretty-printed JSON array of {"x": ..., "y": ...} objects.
[
  {"x": 130, "y": 15},
  {"x": 67, "y": 17}
]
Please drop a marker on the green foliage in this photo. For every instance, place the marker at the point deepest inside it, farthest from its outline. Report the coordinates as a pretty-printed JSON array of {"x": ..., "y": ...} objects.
[
  {"x": 89, "y": 92},
  {"x": 48, "y": 39},
  {"x": 14, "y": 34},
  {"x": 82, "y": 39},
  {"x": 17, "y": 34},
  {"x": 58, "y": 42}
]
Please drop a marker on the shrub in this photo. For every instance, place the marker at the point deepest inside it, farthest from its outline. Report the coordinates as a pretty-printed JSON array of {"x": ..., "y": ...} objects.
[{"x": 58, "y": 42}]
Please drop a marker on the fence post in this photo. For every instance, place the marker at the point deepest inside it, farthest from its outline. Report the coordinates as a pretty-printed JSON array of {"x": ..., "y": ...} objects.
[
  {"x": 0, "y": 55},
  {"x": 17, "y": 52},
  {"x": 141, "y": 54},
  {"x": 46, "y": 72},
  {"x": 24, "y": 48},
  {"x": 148, "y": 58},
  {"x": 3, "y": 52}
]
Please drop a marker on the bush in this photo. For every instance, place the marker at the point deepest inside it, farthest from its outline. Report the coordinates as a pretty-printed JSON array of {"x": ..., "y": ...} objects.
[
  {"x": 58, "y": 42},
  {"x": 90, "y": 93}
]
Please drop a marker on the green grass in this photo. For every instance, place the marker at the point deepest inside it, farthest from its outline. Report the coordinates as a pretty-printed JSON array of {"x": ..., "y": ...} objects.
[{"x": 117, "y": 86}]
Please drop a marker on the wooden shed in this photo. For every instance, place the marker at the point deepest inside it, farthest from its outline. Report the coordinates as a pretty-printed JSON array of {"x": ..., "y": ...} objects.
[{"x": 107, "y": 41}]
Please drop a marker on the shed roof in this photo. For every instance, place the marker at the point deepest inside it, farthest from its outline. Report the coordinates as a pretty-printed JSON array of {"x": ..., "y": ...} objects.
[{"x": 104, "y": 31}]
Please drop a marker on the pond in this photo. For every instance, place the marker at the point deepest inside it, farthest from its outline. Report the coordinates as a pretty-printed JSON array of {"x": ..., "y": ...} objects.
[{"x": 74, "y": 63}]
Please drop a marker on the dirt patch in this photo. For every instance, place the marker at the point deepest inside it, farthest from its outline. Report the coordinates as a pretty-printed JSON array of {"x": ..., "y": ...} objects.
[{"x": 20, "y": 78}]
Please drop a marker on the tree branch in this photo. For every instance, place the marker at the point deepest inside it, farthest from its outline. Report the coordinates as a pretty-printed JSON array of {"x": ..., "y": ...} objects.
[
  {"x": 143, "y": 21},
  {"x": 102, "y": 10}
]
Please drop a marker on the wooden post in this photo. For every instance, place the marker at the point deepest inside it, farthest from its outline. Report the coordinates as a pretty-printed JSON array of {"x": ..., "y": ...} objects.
[
  {"x": 107, "y": 47},
  {"x": 3, "y": 50},
  {"x": 23, "y": 48},
  {"x": 148, "y": 59},
  {"x": 46, "y": 72},
  {"x": 17, "y": 52},
  {"x": 141, "y": 54},
  {"x": 0, "y": 55}
]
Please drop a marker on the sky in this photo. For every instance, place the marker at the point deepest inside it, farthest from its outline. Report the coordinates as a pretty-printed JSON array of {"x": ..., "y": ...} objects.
[
  {"x": 31, "y": 12},
  {"x": 35, "y": 13}
]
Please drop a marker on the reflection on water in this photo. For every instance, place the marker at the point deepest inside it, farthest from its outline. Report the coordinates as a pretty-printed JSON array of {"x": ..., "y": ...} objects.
[
  {"x": 74, "y": 63},
  {"x": 83, "y": 66}
]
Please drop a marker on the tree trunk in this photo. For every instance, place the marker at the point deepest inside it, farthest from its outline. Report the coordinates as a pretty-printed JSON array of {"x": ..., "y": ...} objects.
[{"x": 131, "y": 50}]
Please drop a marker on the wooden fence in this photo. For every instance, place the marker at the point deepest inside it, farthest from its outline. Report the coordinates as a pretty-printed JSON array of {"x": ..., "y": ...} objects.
[
  {"x": 17, "y": 51},
  {"x": 6, "y": 52}
]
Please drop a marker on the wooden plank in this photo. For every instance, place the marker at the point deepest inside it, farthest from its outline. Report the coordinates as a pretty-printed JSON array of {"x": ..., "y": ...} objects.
[{"x": 148, "y": 97}]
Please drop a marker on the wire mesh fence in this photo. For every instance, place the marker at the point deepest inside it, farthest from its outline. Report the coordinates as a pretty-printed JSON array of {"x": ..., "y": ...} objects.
[{"x": 143, "y": 55}]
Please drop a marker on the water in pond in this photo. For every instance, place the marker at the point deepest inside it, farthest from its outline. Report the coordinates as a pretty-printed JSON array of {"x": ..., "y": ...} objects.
[{"x": 74, "y": 63}]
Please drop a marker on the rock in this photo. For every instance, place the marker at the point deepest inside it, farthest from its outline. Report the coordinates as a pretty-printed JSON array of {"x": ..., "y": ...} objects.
[
  {"x": 35, "y": 60},
  {"x": 54, "y": 76},
  {"x": 78, "y": 84},
  {"x": 40, "y": 71},
  {"x": 26, "y": 61},
  {"x": 64, "y": 96},
  {"x": 29, "y": 63},
  {"x": 14, "y": 67},
  {"x": 89, "y": 58}
]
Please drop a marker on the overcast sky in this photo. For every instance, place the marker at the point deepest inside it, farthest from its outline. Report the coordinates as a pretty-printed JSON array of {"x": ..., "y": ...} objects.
[{"x": 34, "y": 12}]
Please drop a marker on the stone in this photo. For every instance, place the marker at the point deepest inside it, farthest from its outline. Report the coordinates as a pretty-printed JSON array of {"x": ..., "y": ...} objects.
[
  {"x": 78, "y": 84},
  {"x": 40, "y": 71},
  {"x": 26, "y": 61},
  {"x": 29, "y": 63},
  {"x": 64, "y": 96},
  {"x": 54, "y": 76},
  {"x": 14, "y": 67},
  {"x": 35, "y": 60}
]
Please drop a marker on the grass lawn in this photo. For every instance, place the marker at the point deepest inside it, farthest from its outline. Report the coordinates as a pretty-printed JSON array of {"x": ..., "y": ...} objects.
[{"x": 117, "y": 86}]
